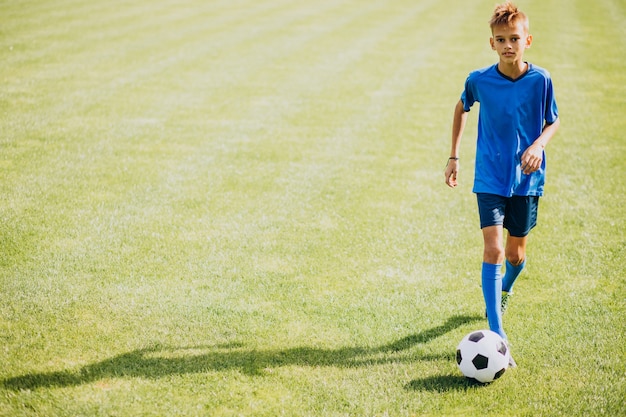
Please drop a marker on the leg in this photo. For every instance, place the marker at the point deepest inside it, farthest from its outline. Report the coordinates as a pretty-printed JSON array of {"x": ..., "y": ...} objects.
[
  {"x": 493, "y": 252},
  {"x": 520, "y": 218},
  {"x": 515, "y": 254},
  {"x": 493, "y": 257},
  {"x": 515, "y": 251}
]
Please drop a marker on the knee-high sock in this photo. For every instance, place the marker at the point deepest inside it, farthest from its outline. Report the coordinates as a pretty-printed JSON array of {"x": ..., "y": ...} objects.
[
  {"x": 492, "y": 292},
  {"x": 510, "y": 275}
]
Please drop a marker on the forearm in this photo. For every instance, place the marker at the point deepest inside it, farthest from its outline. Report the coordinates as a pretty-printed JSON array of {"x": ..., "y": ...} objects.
[
  {"x": 549, "y": 130},
  {"x": 458, "y": 125}
]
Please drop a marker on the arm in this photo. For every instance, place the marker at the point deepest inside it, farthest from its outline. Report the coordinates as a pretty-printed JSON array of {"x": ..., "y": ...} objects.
[
  {"x": 533, "y": 156},
  {"x": 458, "y": 124}
]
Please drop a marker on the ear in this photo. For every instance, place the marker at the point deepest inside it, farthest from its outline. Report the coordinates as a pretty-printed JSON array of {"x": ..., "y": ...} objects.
[
  {"x": 492, "y": 43},
  {"x": 529, "y": 41}
]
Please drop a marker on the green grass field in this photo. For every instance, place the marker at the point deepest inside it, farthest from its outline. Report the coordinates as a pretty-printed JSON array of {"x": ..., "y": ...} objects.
[{"x": 237, "y": 208}]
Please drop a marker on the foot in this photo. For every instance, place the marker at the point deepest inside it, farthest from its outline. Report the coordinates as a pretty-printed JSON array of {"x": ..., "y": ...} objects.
[
  {"x": 506, "y": 298},
  {"x": 512, "y": 363}
]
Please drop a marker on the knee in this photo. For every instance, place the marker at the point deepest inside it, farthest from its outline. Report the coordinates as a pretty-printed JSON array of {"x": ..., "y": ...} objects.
[
  {"x": 493, "y": 254},
  {"x": 515, "y": 257}
]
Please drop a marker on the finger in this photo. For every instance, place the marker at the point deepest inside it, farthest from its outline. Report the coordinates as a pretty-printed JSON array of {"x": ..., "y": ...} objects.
[{"x": 530, "y": 168}]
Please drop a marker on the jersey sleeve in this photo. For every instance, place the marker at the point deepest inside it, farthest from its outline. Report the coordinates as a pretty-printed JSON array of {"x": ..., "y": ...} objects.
[
  {"x": 552, "y": 111},
  {"x": 468, "y": 96}
]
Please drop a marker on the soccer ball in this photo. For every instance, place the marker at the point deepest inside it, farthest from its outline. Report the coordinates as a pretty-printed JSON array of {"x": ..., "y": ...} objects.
[{"x": 482, "y": 355}]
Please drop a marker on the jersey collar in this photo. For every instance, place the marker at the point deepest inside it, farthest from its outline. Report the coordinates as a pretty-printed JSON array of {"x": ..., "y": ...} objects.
[{"x": 506, "y": 77}]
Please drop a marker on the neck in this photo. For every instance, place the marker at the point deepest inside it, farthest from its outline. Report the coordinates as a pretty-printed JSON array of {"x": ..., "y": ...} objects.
[{"x": 513, "y": 70}]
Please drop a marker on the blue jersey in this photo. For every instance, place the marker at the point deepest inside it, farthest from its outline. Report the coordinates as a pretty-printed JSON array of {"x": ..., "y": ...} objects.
[{"x": 512, "y": 116}]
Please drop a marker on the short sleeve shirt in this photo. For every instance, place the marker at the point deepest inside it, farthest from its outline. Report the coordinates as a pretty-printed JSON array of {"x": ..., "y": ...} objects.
[{"x": 511, "y": 117}]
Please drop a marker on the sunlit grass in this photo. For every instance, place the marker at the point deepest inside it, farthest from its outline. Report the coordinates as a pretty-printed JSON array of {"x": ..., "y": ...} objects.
[{"x": 238, "y": 208}]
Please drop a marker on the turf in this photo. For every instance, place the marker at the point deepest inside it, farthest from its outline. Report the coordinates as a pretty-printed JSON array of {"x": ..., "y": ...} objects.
[{"x": 237, "y": 207}]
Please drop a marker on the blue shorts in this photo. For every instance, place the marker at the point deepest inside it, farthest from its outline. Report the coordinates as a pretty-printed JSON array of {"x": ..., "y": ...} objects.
[{"x": 517, "y": 214}]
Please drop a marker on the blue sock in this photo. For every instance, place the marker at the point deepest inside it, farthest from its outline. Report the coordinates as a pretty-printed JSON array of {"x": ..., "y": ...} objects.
[
  {"x": 492, "y": 292},
  {"x": 510, "y": 275}
]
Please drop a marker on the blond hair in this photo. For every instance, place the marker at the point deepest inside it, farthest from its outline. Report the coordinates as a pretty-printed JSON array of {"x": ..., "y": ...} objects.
[{"x": 508, "y": 14}]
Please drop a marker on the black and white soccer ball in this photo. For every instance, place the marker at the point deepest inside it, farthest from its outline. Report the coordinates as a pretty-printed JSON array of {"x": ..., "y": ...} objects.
[{"x": 482, "y": 355}]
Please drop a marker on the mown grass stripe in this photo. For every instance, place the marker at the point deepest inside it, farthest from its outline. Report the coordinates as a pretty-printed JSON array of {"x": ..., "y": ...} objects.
[{"x": 242, "y": 210}]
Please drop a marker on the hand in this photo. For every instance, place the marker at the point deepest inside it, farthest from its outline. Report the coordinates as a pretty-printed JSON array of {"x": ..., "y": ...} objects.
[
  {"x": 451, "y": 170},
  {"x": 531, "y": 159}
]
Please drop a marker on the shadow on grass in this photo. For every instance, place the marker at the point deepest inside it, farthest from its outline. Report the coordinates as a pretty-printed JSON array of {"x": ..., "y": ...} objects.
[
  {"x": 442, "y": 383},
  {"x": 159, "y": 361}
]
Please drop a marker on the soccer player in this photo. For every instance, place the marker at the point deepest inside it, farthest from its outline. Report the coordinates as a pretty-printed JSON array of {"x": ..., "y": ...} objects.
[{"x": 517, "y": 118}]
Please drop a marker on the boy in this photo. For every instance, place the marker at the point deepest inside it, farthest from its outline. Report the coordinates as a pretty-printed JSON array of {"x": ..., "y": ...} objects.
[{"x": 518, "y": 116}]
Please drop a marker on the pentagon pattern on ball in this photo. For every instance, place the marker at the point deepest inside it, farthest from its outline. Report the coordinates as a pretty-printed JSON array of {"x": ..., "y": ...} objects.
[
  {"x": 476, "y": 336},
  {"x": 503, "y": 349},
  {"x": 480, "y": 361}
]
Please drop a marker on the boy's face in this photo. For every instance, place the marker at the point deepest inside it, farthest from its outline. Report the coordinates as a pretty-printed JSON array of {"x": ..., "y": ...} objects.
[{"x": 510, "y": 42}]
